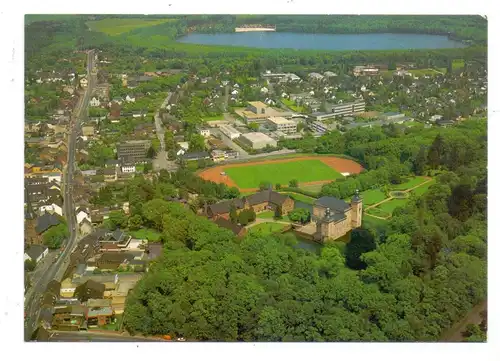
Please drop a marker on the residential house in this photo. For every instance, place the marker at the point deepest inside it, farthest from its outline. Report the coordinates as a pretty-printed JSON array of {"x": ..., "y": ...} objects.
[
  {"x": 45, "y": 222},
  {"x": 130, "y": 99},
  {"x": 195, "y": 156},
  {"x": 99, "y": 312},
  {"x": 110, "y": 175},
  {"x": 88, "y": 130},
  {"x": 95, "y": 102},
  {"x": 260, "y": 201},
  {"x": 53, "y": 205},
  {"x": 85, "y": 226},
  {"x": 36, "y": 253},
  {"x": 89, "y": 289},
  {"x": 205, "y": 132},
  {"x": 71, "y": 318},
  {"x": 113, "y": 260},
  {"x": 84, "y": 82},
  {"x": 128, "y": 168}
]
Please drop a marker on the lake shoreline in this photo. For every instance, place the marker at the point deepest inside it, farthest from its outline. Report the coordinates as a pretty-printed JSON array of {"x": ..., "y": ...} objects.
[{"x": 372, "y": 41}]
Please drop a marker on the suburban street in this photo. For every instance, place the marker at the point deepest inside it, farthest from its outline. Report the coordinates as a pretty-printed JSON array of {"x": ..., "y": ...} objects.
[
  {"x": 161, "y": 161},
  {"x": 56, "y": 270}
]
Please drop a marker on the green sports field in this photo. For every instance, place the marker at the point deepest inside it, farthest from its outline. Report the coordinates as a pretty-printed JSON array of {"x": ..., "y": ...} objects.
[{"x": 303, "y": 170}]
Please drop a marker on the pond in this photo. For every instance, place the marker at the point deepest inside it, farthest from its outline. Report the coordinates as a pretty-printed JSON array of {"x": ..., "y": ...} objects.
[
  {"x": 340, "y": 42},
  {"x": 306, "y": 244}
]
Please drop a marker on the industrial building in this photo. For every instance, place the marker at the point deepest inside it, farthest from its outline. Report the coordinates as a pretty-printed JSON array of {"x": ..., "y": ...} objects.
[
  {"x": 260, "y": 112},
  {"x": 229, "y": 131},
  {"x": 282, "y": 124},
  {"x": 258, "y": 140}
]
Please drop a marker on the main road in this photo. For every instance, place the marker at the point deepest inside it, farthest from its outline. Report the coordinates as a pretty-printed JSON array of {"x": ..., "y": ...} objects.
[
  {"x": 56, "y": 270},
  {"x": 83, "y": 336}
]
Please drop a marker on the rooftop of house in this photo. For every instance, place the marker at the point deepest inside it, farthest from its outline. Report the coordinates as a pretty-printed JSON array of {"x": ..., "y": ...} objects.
[
  {"x": 224, "y": 223},
  {"x": 35, "y": 251},
  {"x": 45, "y": 221},
  {"x": 99, "y": 311},
  {"x": 196, "y": 155},
  {"x": 253, "y": 199}
]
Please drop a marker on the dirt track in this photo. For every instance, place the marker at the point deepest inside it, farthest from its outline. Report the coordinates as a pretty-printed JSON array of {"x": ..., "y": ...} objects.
[{"x": 341, "y": 165}]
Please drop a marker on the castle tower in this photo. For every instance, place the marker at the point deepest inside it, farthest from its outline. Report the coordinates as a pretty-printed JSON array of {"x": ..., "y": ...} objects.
[{"x": 357, "y": 210}]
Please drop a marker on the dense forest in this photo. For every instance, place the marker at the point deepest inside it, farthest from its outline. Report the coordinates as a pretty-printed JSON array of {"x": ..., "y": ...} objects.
[{"x": 409, "y": 282}]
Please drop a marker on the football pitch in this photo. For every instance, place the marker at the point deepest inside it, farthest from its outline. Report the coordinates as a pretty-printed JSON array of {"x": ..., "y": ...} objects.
[{"x": 311, "y": 170}]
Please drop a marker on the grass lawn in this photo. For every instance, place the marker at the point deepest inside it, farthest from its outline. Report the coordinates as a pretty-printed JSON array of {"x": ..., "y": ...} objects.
[
  {"x": 304, "y": 171},
  {"x": 146, "y": 233},
  {"x": 389, "y": 206},
  {"x": 369, "y": 221},
  {"x": 423, "y": 188},
  {"x": 139, "y": 168},
  {"x": 266, "y": 228},
  {"x": 458, "y": 64},
  {"x": 372, "y": 196},
  {"x": 119, "y": 26},
  {"x": 212, "y": 118},
  {"x": 270, "y": 215},
  {"x": 378, "y": 212},
  {"x": 291, "y": 104},
  {"x": 300, "y": 197},
  {"x": 408, "y": 184}
]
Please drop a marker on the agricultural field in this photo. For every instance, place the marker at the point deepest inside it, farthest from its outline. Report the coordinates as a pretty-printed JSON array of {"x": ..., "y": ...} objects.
[
  {"x": 119, "y": 26},
  {"x": 267, "y": 228},
  {"x": 253, "y": 175}
]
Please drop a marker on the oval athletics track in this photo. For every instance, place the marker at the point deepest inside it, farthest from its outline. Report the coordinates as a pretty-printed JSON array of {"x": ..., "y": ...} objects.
[{"x": 341, "y": 165}]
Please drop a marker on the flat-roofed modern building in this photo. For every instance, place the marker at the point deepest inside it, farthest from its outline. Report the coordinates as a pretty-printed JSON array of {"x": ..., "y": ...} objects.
[
  {"x": 133, "y": 151},
  {"x": 283, "y": 125},
  {"x": 229, "y": 131},
  {"x": 321, "y": 116},
  {"x": 349, "y": 108},
  {"x": 258, "y": 140},
  {"x": 320, "y": 127}
]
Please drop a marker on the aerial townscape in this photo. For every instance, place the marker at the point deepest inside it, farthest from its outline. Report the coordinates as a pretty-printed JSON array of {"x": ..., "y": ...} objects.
[{"x": 255, "y": 178}]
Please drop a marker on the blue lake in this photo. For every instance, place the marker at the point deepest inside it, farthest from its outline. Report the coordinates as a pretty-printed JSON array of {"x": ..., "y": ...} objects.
[{"x": 302, "y": 41}]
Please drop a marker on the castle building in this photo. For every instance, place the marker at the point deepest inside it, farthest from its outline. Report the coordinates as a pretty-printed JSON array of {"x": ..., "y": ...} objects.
[{"x": 334, "y": 218}]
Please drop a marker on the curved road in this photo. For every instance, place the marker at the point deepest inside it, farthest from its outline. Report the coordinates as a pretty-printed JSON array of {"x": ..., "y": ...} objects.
[{"x": 56, "y": 270}]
